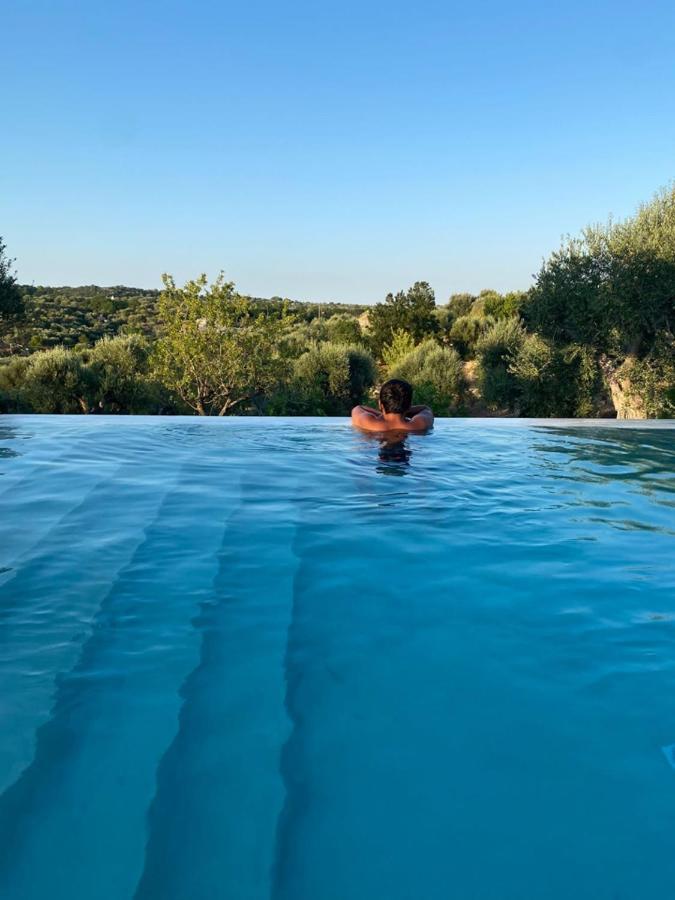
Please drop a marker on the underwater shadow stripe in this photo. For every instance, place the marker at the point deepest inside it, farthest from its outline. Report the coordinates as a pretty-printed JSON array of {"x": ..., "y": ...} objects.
[
  {"x": 174, "y": 813},
  {"x": 67, "y": 521},
  {"x": 58, "y": 738},
  {"x": 164, "y": 806},
  {"x": 296, "y": 796}
]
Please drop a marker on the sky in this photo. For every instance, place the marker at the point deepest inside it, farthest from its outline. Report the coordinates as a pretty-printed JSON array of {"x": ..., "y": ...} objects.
[{"x": 325, "y": 151}]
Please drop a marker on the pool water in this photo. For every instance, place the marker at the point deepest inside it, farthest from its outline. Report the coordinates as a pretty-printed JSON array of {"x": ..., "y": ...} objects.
[{"x": 278, "y": 659}]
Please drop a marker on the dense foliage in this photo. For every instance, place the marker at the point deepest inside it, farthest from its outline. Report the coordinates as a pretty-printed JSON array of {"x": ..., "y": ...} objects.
[
  {"x": 436, "y": 375},
  {"x": 112, "y": 376},
  {"x": 412, "y": 311},
  {"x": 327, "y": 380},
  {"x": 593, "y": 336},
  {"x": 68, "y": 316}
]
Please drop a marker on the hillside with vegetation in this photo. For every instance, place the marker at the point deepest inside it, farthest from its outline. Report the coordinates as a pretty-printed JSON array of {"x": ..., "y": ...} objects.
[{"x": 593, "y": 336}]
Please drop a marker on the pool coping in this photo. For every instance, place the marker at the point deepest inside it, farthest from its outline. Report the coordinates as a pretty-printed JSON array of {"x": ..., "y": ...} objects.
[{"x": 277, "y": 421}]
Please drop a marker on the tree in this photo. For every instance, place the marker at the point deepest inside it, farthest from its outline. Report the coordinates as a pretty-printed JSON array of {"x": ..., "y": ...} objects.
[
  {"x": 611, "y": 294},
  {"x": 612, "y": 288},
  {"x": 11, "y": 299},
  {"x": 214, "y": 351},
  {"x": 412, "y": 311}
]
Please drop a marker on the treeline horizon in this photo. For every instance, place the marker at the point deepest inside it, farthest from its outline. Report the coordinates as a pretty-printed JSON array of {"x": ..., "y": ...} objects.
[{"x": 591, "y": 337}]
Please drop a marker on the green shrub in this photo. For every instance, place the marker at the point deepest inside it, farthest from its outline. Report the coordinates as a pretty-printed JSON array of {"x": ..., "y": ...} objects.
[
  {"x": 460, "y": 304},
  {"x": 465, "y": 332},
  {"x": 652, "y": 380},
  {"x": 12, "y": 377},
  {"x": 57, "y": 381},
  {"x": 496, "y": 351},
  {"x": 503, "y": 306},
  {"x": 401, "y": 345},
  {"x": 327, "y": 380},
  {"x": 119, "y": 375},
  {"x": 436, "y": 376},
  {"x": 412, "y": 311},
  {"x": 343, "y": 329},
  {"x": 547, "y": 380}
]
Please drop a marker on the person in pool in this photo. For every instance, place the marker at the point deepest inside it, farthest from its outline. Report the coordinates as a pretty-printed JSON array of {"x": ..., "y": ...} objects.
[{"x": 396, "y": 412}]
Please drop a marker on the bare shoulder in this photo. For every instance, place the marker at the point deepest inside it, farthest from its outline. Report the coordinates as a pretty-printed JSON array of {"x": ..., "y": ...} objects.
[
  {"x": 421, "y": 421},
  {"x": 366, "y": 418}
]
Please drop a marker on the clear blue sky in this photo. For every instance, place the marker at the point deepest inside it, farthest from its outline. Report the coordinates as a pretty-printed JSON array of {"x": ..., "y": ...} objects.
[{"x": 325, "y": 150}]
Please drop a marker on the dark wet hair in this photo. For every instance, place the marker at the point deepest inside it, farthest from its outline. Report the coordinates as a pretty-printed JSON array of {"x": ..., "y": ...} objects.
[{"x": 396, "y": 396}]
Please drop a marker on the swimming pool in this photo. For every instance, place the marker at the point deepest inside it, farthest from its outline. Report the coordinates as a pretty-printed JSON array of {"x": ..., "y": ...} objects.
[{"x": 251, "y": 658}]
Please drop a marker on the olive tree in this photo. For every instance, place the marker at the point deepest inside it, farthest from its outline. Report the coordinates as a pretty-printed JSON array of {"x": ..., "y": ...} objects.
[
  {"x": 57, "y": 381},
  {"x": 214, "y": 351},
  {"x": 119, "y": 373},
  {"x": 613, "y": 287}
]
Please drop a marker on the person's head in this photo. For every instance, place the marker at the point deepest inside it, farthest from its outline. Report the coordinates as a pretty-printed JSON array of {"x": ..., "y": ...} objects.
[{"x": 396, "y": 396}]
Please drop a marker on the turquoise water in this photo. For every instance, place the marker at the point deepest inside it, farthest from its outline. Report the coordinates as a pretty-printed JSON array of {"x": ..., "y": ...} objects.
[{"x": 253, "y": 659}]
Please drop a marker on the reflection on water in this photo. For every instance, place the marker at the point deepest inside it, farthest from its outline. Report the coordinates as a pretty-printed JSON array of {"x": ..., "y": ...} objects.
[
  {"x": 394, "y": 455},
  {"x": 7, "y": 434},
  {"x": 393, "y": 451}
]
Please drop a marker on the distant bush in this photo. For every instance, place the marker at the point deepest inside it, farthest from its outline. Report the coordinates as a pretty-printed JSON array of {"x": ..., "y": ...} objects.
[
  {"x": 460, "y": 304},
  {"x": 503, "y": 306},
  {"x": 435, "y": 373},
  {"x": 343, "y": 329},
  {"x": 465, "y": 333}
]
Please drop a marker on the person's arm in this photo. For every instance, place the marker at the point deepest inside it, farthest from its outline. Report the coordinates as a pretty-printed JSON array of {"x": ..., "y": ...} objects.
[
  {"x": 421, "y": 417},
  {"x": 365, "y": 417}
]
